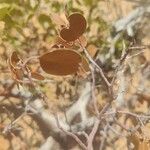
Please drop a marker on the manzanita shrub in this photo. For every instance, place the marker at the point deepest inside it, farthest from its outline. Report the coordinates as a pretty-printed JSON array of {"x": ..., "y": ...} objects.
[
  {"x": 65, "y": 57},
  {"x": 70, "y": 55}
]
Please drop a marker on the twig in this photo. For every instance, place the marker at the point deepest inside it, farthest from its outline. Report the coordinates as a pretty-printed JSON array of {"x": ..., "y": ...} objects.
[
  {"x": 133, "y": 114},
  {"x": 122, "y": 59},
  {"x": 93, "y": 91},
  {"x": 134, "y": 55},
  {"x": 121, "y": 125},
  {"x": 92, "y": 135},
  {"x": 9, "y": 127},
  {"x": 116, "y": 132},
  {"x": 29, "y": 59},
  {"x": 104, "y": 137},
  {"x": 70, "y": 134},
  {"x": 95, "y": 64}
]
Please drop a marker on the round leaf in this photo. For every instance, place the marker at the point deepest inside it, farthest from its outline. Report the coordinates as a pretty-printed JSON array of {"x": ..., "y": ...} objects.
[
  {"x": 77, "y": 23},
  {"x": 77, "y": 27},
  {"x": 60, "y": 62}
]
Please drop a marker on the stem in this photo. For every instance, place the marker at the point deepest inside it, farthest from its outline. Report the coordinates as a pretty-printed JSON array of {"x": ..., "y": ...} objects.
[{"x": 96, "y": 65}]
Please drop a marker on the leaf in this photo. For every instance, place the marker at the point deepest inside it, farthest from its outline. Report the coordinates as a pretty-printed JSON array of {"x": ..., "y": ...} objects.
[
  {"x": 58, "y": 40},
  {"x": 77, "y": 23},
  {"x": 4, "y": 10},
  {"x": 17, "y": 73},
  {"x": 84, "y": 67},
  {"x": 57, "y": 19},
  {"x": 60, "y": 62},
  {"x": 64, "y": 17},
  {"x": 92, "y": 50},
  {"x": 139, "y": 142},
  {"x": 82, "y": 40},
  {"x": 77, "y": 26},
  {"x": 37, "y": 76},
  {"x": 14, "y": 59}
]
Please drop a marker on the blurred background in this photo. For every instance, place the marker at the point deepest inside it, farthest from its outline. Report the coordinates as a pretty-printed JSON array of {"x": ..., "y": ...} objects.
[{"x": 112, "y": 25}]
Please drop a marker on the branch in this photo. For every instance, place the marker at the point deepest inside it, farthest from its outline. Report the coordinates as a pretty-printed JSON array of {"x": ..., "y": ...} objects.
[
  {"x": 50, "y": 144},
  {"x": 127, "y": 23}
]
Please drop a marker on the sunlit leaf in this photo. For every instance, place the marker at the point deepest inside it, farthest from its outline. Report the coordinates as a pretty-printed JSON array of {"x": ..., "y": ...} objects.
[
  {"x": 57, "y": 19},
  {"x": 139, "y": 142},
  {"x": 83, "y": 41},
  {"x": 37, "y": 76},
  {"x": 17, "y": 73},
  {"x": 92, "y": 50},
  {"x": 14, "y": 59},
  {"x": 84, "y": 67}
]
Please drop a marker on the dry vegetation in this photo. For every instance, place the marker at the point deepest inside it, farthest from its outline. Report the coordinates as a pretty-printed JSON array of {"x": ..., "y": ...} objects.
[{"x": 104, "y": 102}]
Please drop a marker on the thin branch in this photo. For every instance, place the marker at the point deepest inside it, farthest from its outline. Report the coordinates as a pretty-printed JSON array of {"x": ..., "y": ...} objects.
[
  {"x": 70, "y": 134},
  {"x": 96, "y": 65},
  {"x": 104, "y": 137},
  {"x": 93, "y": 91},
  {"x": 133, "y": 114},
  {"x": 92, "y": 135}
]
